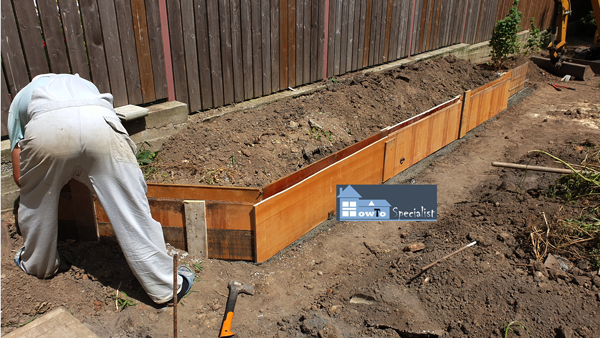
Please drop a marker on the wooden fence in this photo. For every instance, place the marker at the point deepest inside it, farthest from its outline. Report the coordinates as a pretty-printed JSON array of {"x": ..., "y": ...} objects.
[{"x": 209, "y": 53}]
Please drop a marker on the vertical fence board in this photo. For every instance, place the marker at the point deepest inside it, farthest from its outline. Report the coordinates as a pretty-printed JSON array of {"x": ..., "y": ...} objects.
[
  {"x": 156, "y": 49},
  {"x": 351, "y": 8},
  {"x": 314, "y": 40},
  {"x": 138, "y": 10},
  {"x": 203, "y": 52},
  {"x": 321, "y": 43},
  {"x": 416, "y": 29},
  {"x": 74, "y": 38},
  {"x": 275, "y": 48},
  {"x": 283, "y": 44},
  {"x": 12, "y": 53},
  {"x": 338, "y": 37},
  {"x": 94, "y": 43},
  {"x": 404, "y": 28},
  {"x": 394, "y": 27},
  {"x": 30, "y": 30},
  {"x": 257, "y": 49},
  {"x": 388, "y": 31},
  {"x": 247, "y": 48},
  {"x": 4, "y": 103},
  {"x": 367, "y": 38},
  {"x": 53, "y": 37},
  {"x": 214, "y": 45},
  {"x": 266, "y": 46},
  {"x": 291, "y": 43},
  {"x": 373, "y": 32},
  {"x": 356, "y": 34},
  {"x": 362, "y": 34},
  {"x": 307, "y": 43},
  {"x": 114, "y": 60},
  {"x": 128, "y": 48},
  {"x": 422, "y": 24},
  {"x": 226, "y": 51},
  {"x": 236, "y": 40},
  {"x": 344, "y": 37},
  {"x": 299, "y": 41},
  {"x": 435, "y": 32},
  {"x": 191, "y": 55},
  {"x": 331, "y": 38},
  {"x": 177, "y": 51}
]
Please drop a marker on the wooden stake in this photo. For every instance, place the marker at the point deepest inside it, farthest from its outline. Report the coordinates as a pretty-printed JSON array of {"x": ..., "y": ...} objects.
[
  {"x": 425, "y": 268},
  {"x": 175, "y": 295}
]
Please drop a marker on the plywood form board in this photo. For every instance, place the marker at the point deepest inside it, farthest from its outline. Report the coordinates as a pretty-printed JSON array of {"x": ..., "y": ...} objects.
[
  {"x": 83, "y": 208},
  {"x": 128, "y": 48},
  {"x": 31, "y": 33},
  {"x": 112, "y": 46},
  {"x": 203, "y": 53},
  {"x": 204, "y": 192},
  {"x": 95, "y": 44},
  {"x": 177, "y": 51},
  {"x": 156, "y": 49},
  {"x": 191, "y": 55},
  {"x": 53, "y": 36},
  {"x": 300, "y": 175},
  {"x": 285, "y": 217},
  {"x": 484, "y": 102},
  {"x": 12, "y": 53},
  {"x": 518, "y": 79},
  {"x": 237, "y": 51},
  {"x": 422, "y": 138},
  {"x": 235, "y": 245}
]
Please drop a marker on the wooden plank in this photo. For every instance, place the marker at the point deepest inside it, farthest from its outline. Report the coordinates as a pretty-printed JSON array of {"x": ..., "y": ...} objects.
[
  {"x": 294, "y": 178},
  {"x": 257, "y": 49},
  {"x": 231, "y": 244},
  {"x": 83, "y": 208},
  {"x": 128, "y": 48},
  {"x": 214, "y": 46},
  {"x": 338, "y": 37},
  {"x": 321, "y": 43},
  {"x": 226, "y": 51},
  {"x": 423, "y": 115},
  {"x": 157, "y": 54},
  {"x": 435, "y": 31},
  {"x": 356, "y": 34},
  {"x": 4, "y": 102},
  {"x": 204, "y": 193},
  {"x": 203, "y": 53},
  {"x": 283, "y": 44},
  {"x": 275, "y": 48},
  {"x": 349, "y": 51},
  {"x": 314, "y": 40},
  {"x": 13, "y": 59},
  {"x": 229, "y": 215},
  {"x": 388, "y": 31},
  {"x": 30, "y": 30},
  {"x": 237, "y": 52},
  {"x": 195, "y": 226},
  {"x": 389, "y": 159},
  {"x": 191, "y": 55},
  {"x": 292, "y": 43},
  {"x": 310, "y": 202},
  {"x": 307, "y": 41},
  {"x": 362, "y": 35},
  {"x": 299, "y": 42},
  {"x": 580, "y": 72},
  {"x": 344, "y": 37},
  {"x": 484, "y": 102},
  {"x": 53, "y": 37},
  {"x": 140, "y": 28},
  {"x": 373, "y": 41},
  {"x": 247, "y": 48},
  {"x": 422, "y": 25},
  {"x": 394, "y": 28},
  {"x": 367, "y": 38},
  {"x": 331, "y": 38},
  {"x": 112, "y": 46},
  {"x": 74, "y": 38},
  {"x": 266, "y": 46},
  {"x": 405, "y": 31}
]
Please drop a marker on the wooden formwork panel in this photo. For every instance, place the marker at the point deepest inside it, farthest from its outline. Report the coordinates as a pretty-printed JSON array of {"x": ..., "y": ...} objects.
[
  {"x": 484, "y": 102},
  {"x": 518, "y": 79},
  {"x": 286, "y": 216},
  {"x": 204, "y": 192},
  {"x": 418, "y": 140}
]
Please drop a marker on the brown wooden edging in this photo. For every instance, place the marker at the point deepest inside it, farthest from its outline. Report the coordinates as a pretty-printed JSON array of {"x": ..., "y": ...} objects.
[{"x": 518, "y": 79}]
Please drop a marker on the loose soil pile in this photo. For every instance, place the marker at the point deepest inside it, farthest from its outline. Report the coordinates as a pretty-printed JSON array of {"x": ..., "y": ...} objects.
[{"x": 256, "y": 147}]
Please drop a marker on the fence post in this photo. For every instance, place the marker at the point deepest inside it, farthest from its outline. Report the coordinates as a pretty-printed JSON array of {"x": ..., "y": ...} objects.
[{"x": 164, "y": 27}]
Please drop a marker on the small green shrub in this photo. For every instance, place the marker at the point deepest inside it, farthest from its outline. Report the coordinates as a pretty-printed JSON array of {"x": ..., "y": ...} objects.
[
  {"x": 534, "y": 43},
  {"x": 504, "y": 40}
]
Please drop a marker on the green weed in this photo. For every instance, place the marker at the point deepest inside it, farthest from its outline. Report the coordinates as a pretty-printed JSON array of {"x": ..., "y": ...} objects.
[
  {"x": 517, "y": 324},
  {"x": 197, "y": 270},
  {"x": 122, "y": 300}
]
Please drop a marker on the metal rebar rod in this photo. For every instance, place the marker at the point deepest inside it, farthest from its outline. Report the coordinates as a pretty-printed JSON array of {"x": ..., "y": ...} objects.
[{"x": 175, "y": 295}]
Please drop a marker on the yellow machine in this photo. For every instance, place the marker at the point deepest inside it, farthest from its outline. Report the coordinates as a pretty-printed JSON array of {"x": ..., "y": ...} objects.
[{"x": 557, "y": 47}]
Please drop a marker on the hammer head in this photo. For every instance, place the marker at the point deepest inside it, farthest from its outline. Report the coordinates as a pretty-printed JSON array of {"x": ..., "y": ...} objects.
[{"x": 238, "y": 287}]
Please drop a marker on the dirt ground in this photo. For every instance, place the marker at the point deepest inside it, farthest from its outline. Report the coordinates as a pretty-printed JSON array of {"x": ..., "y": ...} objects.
[{"x": 352, "y": 279}]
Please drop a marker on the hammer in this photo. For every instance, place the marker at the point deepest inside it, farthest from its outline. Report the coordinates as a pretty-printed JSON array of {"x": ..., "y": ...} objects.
[{"x": 235, "y": 288}]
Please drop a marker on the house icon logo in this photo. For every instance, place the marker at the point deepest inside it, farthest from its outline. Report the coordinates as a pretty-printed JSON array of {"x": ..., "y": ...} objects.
[{"x": 353, "y": 207}]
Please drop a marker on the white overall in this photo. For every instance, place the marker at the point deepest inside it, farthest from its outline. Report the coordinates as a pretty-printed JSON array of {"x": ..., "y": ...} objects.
[{"x": 74, "y": 133}]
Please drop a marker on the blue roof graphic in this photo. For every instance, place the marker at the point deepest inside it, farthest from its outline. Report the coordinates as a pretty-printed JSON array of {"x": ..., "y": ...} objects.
[
  {"x": 349, "y": 192},
  {"x": 373, "y": 203}
]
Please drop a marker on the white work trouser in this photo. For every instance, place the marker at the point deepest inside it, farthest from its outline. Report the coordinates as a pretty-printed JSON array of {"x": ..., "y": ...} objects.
[{"x": 88, "y": 143}]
